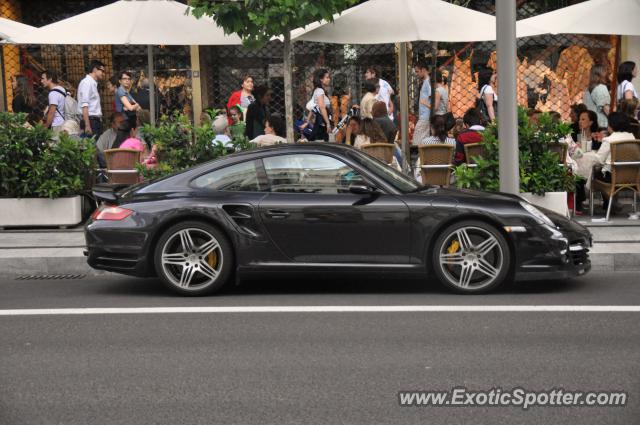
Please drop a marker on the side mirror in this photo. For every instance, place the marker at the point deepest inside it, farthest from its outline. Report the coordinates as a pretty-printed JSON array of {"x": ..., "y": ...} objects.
[{"x": 361, "y": 189}]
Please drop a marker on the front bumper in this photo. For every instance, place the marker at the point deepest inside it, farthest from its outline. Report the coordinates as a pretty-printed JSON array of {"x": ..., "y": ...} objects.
[{"x": 546, "y": 252}]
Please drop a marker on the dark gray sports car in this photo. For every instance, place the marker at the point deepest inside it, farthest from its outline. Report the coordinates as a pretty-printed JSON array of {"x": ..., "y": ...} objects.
[{"x": 324, "y": 208}]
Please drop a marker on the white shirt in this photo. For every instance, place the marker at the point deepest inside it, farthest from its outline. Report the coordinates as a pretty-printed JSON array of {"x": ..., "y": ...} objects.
[
  {"x": 57, "y": 99},
  {"x": 88, "y": 96},
  {"x": 487, "y": 89},
  {"x": 384, "y": 94},
  {"x": 624, "y": 87},
  {"x": 604, "y": 153}
]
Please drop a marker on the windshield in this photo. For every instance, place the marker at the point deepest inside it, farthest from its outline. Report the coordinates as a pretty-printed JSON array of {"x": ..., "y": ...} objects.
[{"x": 396, "y": 179}]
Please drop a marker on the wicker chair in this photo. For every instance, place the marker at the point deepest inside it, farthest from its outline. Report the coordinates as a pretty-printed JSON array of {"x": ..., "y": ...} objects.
[
  {"x": 381, "y": 151},
  {"x": 471, "y": 151},
  {"x": 121, "y": 165},
  {"x": 625, "y": 173},
  {"x": 561, "y": 149},
  {"x": 436, "y": 161}
]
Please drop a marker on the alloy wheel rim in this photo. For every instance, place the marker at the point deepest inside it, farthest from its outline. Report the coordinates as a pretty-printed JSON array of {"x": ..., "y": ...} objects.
[
  {"x": 471, "y": 258},
  {"x": 192, "y": 259}
]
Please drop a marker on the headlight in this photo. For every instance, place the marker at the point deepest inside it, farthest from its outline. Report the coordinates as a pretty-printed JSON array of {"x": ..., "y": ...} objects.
[{"x": 537, "y": 214}]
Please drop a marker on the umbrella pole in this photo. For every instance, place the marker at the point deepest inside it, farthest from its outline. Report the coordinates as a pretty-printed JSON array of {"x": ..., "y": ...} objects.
[
  {"x": 152, "y": 86},
  {"x": 507, "y": 106},
  {"x": 404, "y": 108}
]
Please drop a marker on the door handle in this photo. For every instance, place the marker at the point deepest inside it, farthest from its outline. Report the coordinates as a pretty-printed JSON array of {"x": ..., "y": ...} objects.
[{"x": 277, "y": 214}]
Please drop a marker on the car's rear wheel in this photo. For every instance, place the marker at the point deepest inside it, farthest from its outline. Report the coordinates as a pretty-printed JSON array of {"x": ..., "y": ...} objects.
[
  {"x": 193, "y": 258},
  {"x": 471, "y": 257}
]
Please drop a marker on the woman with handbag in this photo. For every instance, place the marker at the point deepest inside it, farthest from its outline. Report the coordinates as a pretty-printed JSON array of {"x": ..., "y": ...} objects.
[
  {"x": 321, "y": 110},
  {"x": 487, "y": 98},
  {"x": 125, "y": 103}
]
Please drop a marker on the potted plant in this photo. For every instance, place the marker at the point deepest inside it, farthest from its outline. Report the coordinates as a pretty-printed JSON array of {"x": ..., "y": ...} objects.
[
  {"x": 181, "y": 144},
  {"x": 40, "y": 179},
  {"x": 543, "y": 181}
]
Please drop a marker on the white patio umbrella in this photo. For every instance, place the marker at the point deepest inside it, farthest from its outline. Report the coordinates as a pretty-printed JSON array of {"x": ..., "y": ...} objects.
[
  {"x": 139, "y": 22},
  {"x": 393, "y": 21},
  {"x": 590, "y": 17},
  {"x": 10, "y": 29}
]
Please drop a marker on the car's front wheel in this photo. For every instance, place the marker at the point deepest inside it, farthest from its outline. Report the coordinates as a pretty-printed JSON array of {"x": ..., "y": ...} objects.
[
  {"x": 471, "y": 257},
  {"x": 193, "y": 258}
]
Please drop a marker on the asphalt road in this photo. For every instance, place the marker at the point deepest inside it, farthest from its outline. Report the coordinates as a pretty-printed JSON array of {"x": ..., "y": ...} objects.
[{"x": 311, "y": 368}]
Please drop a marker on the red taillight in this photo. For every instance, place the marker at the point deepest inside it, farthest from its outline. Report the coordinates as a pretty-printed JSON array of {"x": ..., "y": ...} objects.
[{"x": 110, "y": 212}]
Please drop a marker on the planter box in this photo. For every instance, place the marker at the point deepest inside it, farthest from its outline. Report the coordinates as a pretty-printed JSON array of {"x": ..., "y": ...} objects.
[
  {"x": 40, "y": 211},
  {"x": 554, "y": 201}
]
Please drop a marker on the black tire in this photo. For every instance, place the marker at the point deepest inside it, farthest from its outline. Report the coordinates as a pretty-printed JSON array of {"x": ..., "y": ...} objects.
[
  {"x": 191, "y": 271},
  {"x": 473, "y": 264}
]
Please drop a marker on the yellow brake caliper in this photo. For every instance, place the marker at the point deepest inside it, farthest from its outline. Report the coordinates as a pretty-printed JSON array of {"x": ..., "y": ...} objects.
[
  {"x": 212, "y": 259},
  {"x": 453, "y": 248}
]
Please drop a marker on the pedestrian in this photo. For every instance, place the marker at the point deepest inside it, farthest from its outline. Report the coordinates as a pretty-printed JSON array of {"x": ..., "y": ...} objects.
[
  {"x": 243, "y": 97},
  {"x": 257, "y": 112},
  {"x": 321, "y": 105},
  {"x": 54, "y": 116},
  {"x": 370, "y": 88},
  {"x": 627, "y": 71},
  {"x": 238, "y": 127},
  {"x": 112, "y": 86},
  {"x": 574, "y": 115},
  {"x": 142, "y": 95},
  {"x": 471, "y": 134},
  {"x": 385, "y": 91},
  {"x": 439, "y": 132},
  {"x": 424, "y": 105},
  {"x": 125, "y": 103},
  {"x": 380, "y": 116},
  {"x": 220, "y": 125},
  {"x": 441, "y": 105},
  {"x": 596, "y": 97},
  {"x": 108, "y": 137},
  {"x": 89, "y": 100},
  {"x": 275, "y": 132},
  {"x": 487, "y": 98},
  {"x": 24, "y": 100}
]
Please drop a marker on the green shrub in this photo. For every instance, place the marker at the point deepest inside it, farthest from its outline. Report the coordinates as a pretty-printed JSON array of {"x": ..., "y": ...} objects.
[
  {"x": 181, "y": 145},
  {"x": 539, "y": 169},
  {"x": 32, "y": 165}
]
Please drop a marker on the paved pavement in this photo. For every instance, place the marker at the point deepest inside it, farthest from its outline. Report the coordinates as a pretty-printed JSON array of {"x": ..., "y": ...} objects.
[{"x": 310, "y": 368}]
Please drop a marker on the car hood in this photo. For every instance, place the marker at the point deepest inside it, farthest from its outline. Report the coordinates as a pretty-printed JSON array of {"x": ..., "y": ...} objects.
[{"x": 469, "y": 194}]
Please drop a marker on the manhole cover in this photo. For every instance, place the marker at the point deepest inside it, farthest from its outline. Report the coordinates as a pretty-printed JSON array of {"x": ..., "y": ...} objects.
[{"x": 51, "y": 277}]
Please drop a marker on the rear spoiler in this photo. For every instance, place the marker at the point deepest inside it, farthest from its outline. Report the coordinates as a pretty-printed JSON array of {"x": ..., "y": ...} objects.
[{"x": 108, "y": 192}]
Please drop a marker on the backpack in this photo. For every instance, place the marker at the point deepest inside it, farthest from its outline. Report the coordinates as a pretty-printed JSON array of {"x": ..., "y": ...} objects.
[{"x": 70, "y": 107}]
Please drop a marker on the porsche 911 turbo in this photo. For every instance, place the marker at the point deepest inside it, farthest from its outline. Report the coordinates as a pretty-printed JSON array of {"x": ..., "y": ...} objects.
[{"x": 324, "y": 208}]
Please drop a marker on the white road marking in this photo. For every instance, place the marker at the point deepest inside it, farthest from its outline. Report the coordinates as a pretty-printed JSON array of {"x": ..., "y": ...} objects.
[{"x": 330, "y": 309}]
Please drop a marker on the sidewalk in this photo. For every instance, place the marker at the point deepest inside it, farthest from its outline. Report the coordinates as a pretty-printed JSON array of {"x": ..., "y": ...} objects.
[{"x": 52, "y": 251}]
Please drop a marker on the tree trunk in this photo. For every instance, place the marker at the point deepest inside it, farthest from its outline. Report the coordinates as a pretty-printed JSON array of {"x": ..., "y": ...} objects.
[{"x": 288, "y": 85}]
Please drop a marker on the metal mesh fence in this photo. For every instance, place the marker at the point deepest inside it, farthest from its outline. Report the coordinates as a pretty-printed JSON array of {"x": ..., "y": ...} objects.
[{"x": 172, "y": 64}]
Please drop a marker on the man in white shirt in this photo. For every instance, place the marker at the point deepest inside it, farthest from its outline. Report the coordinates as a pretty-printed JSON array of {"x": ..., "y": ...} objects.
[
  {"x": 55, "y": 111},
  {"x": 89, "y": 100},
  {"x": 384, "y": 92}
]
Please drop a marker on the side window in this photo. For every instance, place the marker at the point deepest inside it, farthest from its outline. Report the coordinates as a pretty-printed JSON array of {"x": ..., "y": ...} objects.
[
  {"x": 241, "y": 177},
  {"x": 309, "y": 173}
]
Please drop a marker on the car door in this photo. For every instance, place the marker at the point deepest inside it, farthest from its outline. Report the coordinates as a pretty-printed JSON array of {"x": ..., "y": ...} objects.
[{"x": 312, "y": 217}]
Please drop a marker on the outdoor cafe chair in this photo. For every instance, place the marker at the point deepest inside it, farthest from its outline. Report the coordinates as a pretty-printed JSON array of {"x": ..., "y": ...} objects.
[
  {"x": 436, "y": 162},
  {"x": 473, "y": 150},
  {"x": 121, "y": 165},
  {"x": 381, "y": 151},
  {"x": 625, "y": 173}
]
